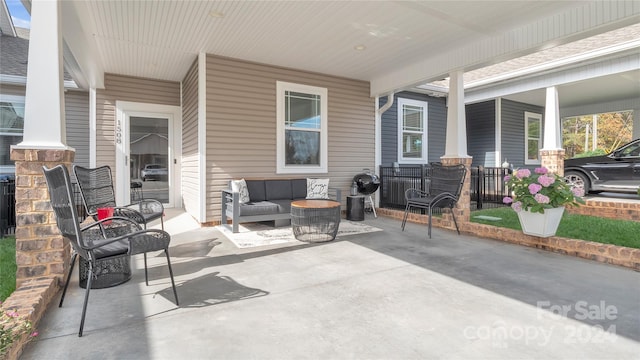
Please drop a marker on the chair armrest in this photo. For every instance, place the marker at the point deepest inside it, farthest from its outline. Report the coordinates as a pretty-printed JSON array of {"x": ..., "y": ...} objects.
[
  {"x": 147, "y": 206},
  {"x": 415, "y": 193},
  {"x": 114, "y": 221},
  {"x": 108, "y": 231}
]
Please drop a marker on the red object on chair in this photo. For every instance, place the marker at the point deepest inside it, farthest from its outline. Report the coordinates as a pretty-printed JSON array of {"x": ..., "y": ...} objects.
[{"x": 105, "y": 212}]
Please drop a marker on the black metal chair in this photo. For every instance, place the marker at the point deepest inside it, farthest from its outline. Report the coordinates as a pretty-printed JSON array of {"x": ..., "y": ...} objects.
[
  {"x": 443, "y": 191},
  {"x": 95, "y": 243},
  {"x": 96, "y": 188}
]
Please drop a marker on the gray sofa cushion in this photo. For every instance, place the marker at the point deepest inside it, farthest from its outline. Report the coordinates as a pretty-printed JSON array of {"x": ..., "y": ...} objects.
[
  {"x": 298, "y": 188},
  {"x": 284, "y": 206},
  {"x": 259, "y": 208},
  {"x": 256, "y": 190},
  {"x": 278, "y": 189}
]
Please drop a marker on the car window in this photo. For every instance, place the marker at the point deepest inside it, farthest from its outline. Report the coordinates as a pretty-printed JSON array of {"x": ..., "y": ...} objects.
[{"x": 630, "y": 151}]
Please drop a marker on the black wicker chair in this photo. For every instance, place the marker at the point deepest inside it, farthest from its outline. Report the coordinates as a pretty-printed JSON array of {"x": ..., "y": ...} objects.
[
  {"x": 96, "y": 188},
  {"x": 443, "y": 191},
  {"x": 95, "y": 243}
]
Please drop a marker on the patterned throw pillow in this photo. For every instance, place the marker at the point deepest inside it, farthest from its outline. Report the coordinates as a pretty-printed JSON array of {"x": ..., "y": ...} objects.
[
  {"x": 317, "y": 188},
  {"x": 240, "y": 186}
]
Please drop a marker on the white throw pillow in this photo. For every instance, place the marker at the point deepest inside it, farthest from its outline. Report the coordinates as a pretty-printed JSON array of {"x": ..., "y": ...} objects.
[
  {"x": 240, "y": 186},
  {"x": 317, "y": 188}
]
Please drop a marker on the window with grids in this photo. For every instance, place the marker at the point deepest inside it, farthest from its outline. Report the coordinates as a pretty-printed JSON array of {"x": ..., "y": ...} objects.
[
  {"x": 532, "y": 137},
  {"x": 11, "y": 128},
  {"x": 302, "y": 128},
  {"x": 412, "y": 123}
]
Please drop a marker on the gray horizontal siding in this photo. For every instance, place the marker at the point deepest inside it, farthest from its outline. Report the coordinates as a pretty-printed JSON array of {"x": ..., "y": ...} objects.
[
  {"x": 190, "y": 171},
  {"x": 77, "y": 124},
  {"x": 241, "y": 125},
  {"x": 481, "y": 133},
  {"x": 436, "y": 127},
  {"x": 513, "y": 129},
  {"x": 126, "y": 88}
]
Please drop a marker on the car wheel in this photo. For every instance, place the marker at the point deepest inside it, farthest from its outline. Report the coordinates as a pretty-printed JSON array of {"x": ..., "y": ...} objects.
[
  {"x": 578, "y": 180},
  {"x": 143, "y": 179}
]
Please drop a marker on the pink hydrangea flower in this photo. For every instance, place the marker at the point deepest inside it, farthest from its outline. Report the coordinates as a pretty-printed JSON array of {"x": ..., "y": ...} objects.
[
  {"x": 534, "y": 188},
  {"x": 507, "y": 178},
  {"x": 541, "y": 170},
  {"x": 546, "y": 180},
  {"x": 541, "y": 199},
  {"x": 517, "y": 206},
  {"x": 507, "y": 200},
  {"x": 523, "y": 173}
]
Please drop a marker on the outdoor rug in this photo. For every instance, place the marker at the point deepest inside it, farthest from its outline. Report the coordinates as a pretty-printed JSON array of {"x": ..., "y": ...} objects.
[{"x": 257, "y": 234}]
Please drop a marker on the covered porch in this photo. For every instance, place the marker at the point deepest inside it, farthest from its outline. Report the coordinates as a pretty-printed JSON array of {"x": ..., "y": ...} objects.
[{"x": 387, "y": 294}]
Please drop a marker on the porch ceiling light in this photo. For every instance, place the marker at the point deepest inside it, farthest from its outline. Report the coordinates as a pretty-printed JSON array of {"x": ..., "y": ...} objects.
[{"x": 360, "y": 47}]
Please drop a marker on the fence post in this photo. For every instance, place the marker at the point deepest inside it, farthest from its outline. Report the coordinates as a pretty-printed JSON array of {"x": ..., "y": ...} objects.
[{"x": 480, "y": 187}]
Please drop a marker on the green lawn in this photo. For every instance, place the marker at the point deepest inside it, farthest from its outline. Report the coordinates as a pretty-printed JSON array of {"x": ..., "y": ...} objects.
[
  {"x": 583, "y": 227},
  {"x": 7, "y": 266}
]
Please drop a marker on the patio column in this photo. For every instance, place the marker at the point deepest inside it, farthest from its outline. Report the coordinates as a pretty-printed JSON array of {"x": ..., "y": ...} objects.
[
  {"x": 40, "y": 249},
  {"x": 456, "y": 146},
  {"x": 552, "y": 152}
]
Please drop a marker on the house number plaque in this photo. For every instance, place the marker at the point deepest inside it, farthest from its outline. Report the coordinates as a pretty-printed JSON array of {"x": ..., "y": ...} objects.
[{"x": 118, "y": 132}]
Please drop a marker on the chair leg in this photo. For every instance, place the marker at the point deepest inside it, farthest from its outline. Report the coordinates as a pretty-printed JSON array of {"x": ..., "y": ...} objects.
[
  {"x": 404, "y": 219},
  {"x": 66, "y": 283},
  {"x": 173, "y": 284},
  {"x": 453, "y": 214},
  {"x": 86, "y": 298},
  {"x": 146, "y": 276},
  {"x": 162, "y": 221}
]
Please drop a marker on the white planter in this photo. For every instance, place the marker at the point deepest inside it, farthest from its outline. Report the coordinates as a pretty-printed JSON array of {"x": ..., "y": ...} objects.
[{"x": 542, "y": 225}]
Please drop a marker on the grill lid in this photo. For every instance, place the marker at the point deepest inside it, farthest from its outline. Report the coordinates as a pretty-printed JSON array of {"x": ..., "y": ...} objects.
[{"x": 367, "y": 182}]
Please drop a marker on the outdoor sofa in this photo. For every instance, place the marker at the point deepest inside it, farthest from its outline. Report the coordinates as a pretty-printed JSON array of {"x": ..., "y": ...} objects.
[{"x": 270, "y": 199}]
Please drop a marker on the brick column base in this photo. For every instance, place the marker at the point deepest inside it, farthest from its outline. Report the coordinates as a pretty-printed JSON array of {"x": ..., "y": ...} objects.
[
  {"x": 40, "y": 249},
  {"x": 553, "y": 160},
  {"x": 463, "y": 207}
]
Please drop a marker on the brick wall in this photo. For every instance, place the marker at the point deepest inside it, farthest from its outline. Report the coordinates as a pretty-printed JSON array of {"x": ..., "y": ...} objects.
[
  {"x": 611, "y": 254},
  {"x": 609, "y": 208},
  {"x": 40, "y": 249},
  {"x": 42, "y": 254}
]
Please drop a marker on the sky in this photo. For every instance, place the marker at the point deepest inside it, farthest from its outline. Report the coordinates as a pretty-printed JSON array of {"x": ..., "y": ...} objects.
[{"x": 19, "y": 14}]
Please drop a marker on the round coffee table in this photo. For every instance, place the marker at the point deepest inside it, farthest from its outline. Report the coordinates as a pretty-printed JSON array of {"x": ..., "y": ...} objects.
[{"x": 315, "y": 220}]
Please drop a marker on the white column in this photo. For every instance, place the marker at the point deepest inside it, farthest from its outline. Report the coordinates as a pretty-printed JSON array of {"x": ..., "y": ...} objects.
[
  {"x": 44, "y": 125},
  {"x": 552, "y": 135},
  {"x": 456, "y": 140}
]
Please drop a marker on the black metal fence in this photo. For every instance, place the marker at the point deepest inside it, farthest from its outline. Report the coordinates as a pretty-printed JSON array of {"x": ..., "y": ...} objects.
[
  {"x": 8, "y": 206},
  {"x": 487, "y": 185}
]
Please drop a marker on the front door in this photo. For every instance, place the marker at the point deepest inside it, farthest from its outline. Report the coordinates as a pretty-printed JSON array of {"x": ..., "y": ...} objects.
[
  {"x": 149, "y": 158},
  {"x": 147, "y": 164}
]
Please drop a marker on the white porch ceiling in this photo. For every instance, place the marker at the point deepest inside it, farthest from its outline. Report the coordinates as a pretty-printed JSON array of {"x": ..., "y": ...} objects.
[{"x": 161, "y": 39}]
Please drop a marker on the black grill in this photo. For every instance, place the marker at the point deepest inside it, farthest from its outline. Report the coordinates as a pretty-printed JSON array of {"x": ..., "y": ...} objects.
[{"x": 367, "y": 182}]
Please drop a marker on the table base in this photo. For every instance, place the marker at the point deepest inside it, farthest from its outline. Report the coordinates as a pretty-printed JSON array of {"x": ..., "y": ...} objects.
[{"x": 107, "y": 273}]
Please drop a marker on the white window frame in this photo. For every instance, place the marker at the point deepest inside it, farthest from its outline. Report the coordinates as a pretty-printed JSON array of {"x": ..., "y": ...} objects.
[
  {"x": 527, "y": 116},
  {"x": 425, "y": 143},
  {"x": 6, "y": 169},
  {"x": 282, "y": 167}
]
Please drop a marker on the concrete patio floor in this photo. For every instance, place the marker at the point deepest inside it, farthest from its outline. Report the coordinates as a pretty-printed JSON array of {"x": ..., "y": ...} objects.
[{"x": 382, "y": 295}]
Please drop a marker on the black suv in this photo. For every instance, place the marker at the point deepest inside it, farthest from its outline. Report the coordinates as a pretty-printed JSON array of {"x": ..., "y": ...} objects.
[{"x": 616, "y": 172}]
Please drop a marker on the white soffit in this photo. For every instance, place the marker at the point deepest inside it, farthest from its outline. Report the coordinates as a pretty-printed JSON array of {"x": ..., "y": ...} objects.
[{"x": 404, "y": 42}]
